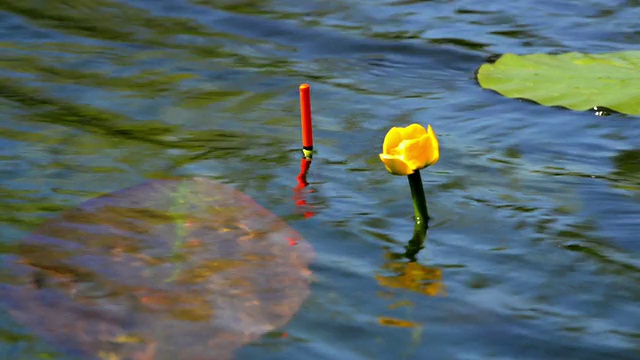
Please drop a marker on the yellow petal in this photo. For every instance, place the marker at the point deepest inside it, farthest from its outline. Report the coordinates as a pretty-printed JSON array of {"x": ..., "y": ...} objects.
[
  {"x": 417, "y": 153},
  {"x": 392, "y": 140},
  {"x": 435, "y": 145},
  {"x": 421, "y": 152},
  {"x": 413, "y": 131},
  {"x": 395, "y": 165}
]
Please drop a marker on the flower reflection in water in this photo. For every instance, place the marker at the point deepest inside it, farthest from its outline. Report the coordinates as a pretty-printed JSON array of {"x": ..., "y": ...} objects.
[
  {"x": 411, "y": 276},
  {"x": 402, "y": 271}
]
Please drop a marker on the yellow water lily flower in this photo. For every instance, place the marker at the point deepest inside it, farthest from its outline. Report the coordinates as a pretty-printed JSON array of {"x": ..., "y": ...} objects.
[{"x": 408, "y": 149}]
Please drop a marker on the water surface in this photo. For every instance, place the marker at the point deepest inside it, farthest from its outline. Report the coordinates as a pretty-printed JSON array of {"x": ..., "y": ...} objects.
[{"x": 532, "y": 250}]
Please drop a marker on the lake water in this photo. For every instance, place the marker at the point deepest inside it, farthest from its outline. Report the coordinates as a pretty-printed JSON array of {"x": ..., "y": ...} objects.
[{"x": 533, "y": 249}]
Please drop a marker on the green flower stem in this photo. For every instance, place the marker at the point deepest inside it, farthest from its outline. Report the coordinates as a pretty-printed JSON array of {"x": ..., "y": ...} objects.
[
  {"x": 419, "y": 200},
  {"x": 421, "y": 216}
]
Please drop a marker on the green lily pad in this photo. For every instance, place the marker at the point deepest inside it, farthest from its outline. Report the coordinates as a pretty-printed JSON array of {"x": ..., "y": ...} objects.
[{"x": 573, "y": 80}]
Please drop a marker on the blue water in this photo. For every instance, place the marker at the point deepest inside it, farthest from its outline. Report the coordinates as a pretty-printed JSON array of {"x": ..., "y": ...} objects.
[{"x": 532, "y": 249}]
